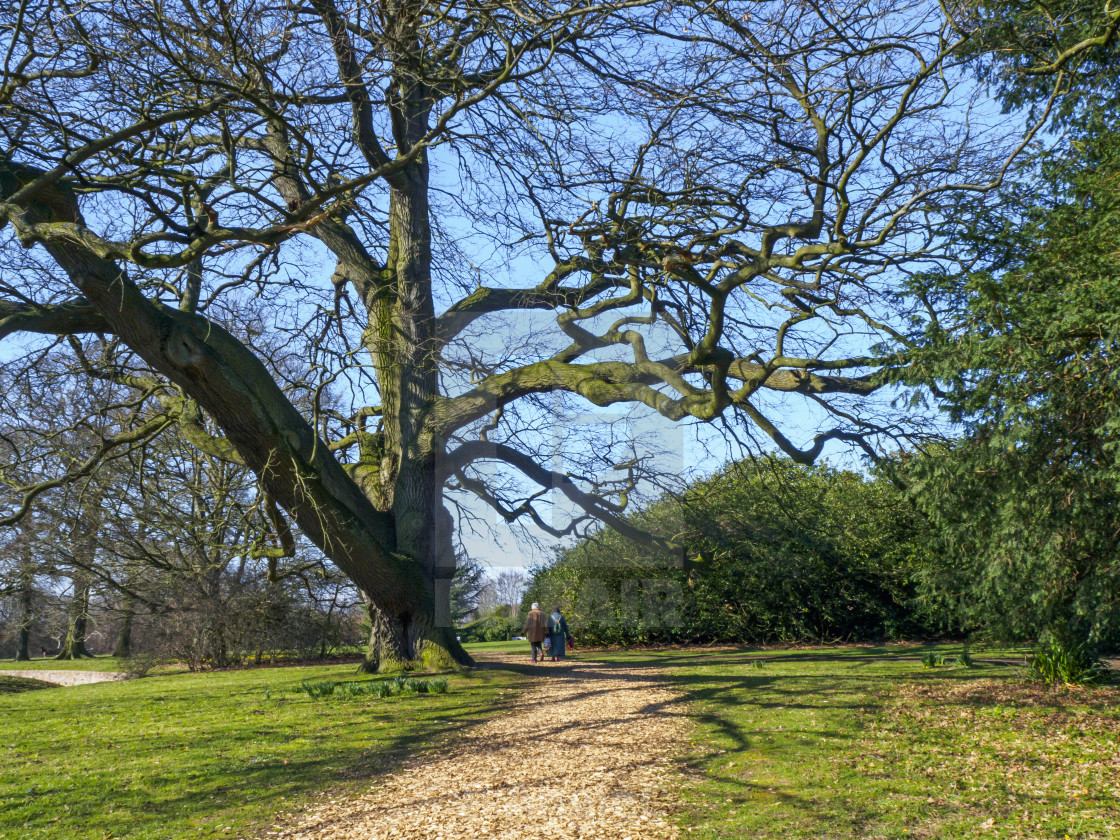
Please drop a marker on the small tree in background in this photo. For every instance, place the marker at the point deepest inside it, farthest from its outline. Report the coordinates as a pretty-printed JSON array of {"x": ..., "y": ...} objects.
[{"x": 467, "y": 586}]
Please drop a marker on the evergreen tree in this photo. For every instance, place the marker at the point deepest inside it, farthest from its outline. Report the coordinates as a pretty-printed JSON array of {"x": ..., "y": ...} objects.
[{"x": 1022, "y": 351}]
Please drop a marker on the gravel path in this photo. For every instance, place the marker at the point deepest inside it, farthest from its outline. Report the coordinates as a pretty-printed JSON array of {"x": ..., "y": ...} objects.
[
  {"x": 69, "y": 677},
  {"x": 584, "y": 752}
]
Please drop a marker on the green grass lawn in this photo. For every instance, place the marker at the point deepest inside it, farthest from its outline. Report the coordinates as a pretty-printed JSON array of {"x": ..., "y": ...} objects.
[
  {"x": 866, "y": 743},
  {"x": 11, "y": 684},
  {"x": 207, "y": 755},
  {"x": 498, "y": 647},
  {"x": 98, "y": 663},
  {"x": 110, "y": 663},
  {"x": 824, "y": 743}
]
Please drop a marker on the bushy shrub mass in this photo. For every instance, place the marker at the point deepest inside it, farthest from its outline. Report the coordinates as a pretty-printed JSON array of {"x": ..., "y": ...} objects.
[
  {"x": 775, "y": 552},
  {"x": 497, "y": 626}
]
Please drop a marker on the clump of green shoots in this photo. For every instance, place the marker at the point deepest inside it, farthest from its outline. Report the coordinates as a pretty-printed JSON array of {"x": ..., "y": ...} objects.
[
  {"x": 437, "y": 686},
  {"x": 317, "y": 690},
  {"x": 1057, "y": 664},
  {"x": 932, "y": 659},
  {"x": 374, "y": 688}
]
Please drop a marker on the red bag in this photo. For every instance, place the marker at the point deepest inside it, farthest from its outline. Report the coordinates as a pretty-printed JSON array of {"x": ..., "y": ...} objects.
[{"x": 571, "y": 644}]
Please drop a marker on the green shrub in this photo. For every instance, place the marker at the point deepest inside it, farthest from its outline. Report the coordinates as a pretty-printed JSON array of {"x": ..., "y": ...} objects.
[
  {"x": 776, "y": 553},
  {"x": 317, "y": 690},
  {"x": 496, "y": 627}
]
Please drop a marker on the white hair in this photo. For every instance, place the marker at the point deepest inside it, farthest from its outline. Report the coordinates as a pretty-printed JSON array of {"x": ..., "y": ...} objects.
[{"x": 536, "y": 606}]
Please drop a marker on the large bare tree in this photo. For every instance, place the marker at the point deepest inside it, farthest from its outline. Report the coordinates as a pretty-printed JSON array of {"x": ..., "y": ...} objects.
[{"x": 459, "y": 217}]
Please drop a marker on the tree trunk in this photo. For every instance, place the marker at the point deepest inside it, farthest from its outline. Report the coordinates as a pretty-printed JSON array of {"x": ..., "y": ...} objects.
[
  {"x": 123, "y": 649},
  {"x": 410, "y": 642},
  {"x": 23, "y": 640},
  {"x": 415, "y": 632},
  {"x": 74, "y": 645},
  {"x": 23, "y": 652}
]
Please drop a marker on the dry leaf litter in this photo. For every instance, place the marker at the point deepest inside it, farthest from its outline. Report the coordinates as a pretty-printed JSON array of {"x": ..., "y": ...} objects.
[{"x": 584, "y": 752}]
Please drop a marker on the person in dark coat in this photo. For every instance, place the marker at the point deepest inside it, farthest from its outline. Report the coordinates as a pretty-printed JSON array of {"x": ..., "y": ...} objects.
[
  {"x": 535, "y": 630},
  {"x": 558, "y": 633}
]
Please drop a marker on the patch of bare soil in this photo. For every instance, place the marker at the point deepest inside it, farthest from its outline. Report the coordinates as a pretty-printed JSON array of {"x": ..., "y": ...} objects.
[{"x": 584, "y": 752}]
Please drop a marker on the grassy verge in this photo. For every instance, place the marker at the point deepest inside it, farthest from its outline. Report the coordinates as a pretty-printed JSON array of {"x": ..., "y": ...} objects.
[
  {"x": 208, "y": 755},
  {"x": 111, "y": 663},
  {"x": 835, "y": 743},
  {"x": 998, "y": 758},
  {"x": 16, "y": 685},
  {"x": 97, "y": 663},
  {"x": 497, "y": 647}
]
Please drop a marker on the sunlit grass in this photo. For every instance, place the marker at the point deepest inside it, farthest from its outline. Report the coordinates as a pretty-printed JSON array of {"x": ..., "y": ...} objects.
[
  {"x": 823, "y": 743},
  {"x": 860, "y": 742},
  {"x": 209, "y": 755},
  {"x": 97, "y": 663}
]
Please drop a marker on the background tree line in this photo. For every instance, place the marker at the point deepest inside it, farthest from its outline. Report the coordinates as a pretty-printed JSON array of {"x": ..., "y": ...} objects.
[
  {"x": 162, "y": 552},
  {"x": 780, "y": 553},
  {"x": 787, "y": 553}
]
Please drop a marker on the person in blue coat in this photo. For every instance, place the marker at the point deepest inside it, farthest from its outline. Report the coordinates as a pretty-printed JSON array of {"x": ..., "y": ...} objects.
[{"x": 558, "y": 634}]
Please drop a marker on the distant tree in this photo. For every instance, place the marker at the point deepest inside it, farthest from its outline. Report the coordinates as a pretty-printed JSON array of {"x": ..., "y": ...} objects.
[
  {"x": 466, "y": 585},
  {"x": 507, "y": 589},
  {"x": 22, "y": 574}
]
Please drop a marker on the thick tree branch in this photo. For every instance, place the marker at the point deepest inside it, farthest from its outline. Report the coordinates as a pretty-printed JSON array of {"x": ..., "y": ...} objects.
[
  {"x": 74, "y": 317},
  {"x": 548, "y": 295},
  {"x": 232, "y": 385},
  {"x": 1063, "y": 58},
  {"x": 607, "y": 383}
]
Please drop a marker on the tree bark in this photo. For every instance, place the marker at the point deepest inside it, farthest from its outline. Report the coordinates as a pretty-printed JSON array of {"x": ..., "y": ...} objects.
[
  {"x": 23, "y": 651},
  {"x": 23, "y": 639},
  {"x": 407, "y": 642},
  {"x": 123, "y": 648},
  {"x": 74, "y": 645},
  {"x": 404, "y": 349}
]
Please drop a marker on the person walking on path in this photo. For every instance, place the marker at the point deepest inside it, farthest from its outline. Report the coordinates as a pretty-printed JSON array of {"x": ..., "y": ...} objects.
[
  {"x": 558, "y": 633},
  {"x": 535, "y": 630}
]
